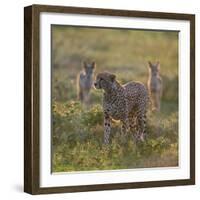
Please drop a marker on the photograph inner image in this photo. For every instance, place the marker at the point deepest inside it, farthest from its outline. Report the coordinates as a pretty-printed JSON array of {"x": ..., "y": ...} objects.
[{"x": 114, "y": 98}]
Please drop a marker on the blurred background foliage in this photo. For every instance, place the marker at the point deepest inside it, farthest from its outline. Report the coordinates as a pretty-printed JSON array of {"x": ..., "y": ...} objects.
[{"x": 78, "y": 131}]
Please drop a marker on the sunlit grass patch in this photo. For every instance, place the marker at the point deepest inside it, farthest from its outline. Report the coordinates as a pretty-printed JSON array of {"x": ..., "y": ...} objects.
[{"x": 78, "y": 141}]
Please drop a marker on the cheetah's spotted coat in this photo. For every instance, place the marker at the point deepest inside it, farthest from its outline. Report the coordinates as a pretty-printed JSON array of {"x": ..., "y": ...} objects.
[{"x": 127, "y": 103}]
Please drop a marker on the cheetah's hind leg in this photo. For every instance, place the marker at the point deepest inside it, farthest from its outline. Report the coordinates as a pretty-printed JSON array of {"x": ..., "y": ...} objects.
[
  {"x": 142, "y": 127},
  {"x": 138, "y": 128},
  {"x": 134, "y": 128},
  {"x": 123, "y": 134}
]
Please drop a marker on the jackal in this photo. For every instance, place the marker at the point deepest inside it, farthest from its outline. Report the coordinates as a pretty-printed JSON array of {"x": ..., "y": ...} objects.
[
  {"x": 85, "y": 82},
  {"x": 155, "y": 85}
]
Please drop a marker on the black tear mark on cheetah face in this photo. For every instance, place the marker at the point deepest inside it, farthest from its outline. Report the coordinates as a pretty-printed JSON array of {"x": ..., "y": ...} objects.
[{"x": 105, "y": 81}]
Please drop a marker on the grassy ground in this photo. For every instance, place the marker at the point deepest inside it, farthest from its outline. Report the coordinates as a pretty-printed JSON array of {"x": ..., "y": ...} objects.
[{"x": 78, "y": 131}]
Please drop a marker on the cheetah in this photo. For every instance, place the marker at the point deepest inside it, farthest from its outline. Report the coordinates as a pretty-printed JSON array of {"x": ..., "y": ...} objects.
[
  {"x": 85, "y": 82},
  {"x": 127, "y": 103},
  {"x": 155, "y": 85}
]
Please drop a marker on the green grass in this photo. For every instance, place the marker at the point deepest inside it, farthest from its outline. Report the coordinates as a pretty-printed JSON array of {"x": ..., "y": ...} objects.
[
  {"x": 77, "y": 141},
  {"x": 78, "y": 130}
]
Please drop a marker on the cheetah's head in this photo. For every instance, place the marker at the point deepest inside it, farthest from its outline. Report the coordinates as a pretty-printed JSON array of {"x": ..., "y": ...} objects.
[
  {"x": 104, "y": 81},
  {"x": 154, "y": 68},
  {"x": 89, "y": 67}
]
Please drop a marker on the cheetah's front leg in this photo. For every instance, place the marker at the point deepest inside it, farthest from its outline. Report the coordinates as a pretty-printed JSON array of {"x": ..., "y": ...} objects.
[{"x": 107, "y": 128}]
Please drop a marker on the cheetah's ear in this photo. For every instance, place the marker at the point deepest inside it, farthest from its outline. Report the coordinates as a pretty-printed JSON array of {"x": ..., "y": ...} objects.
[
  {"x": 93, "y": 65},
  {"x": 112, "y": 77}
]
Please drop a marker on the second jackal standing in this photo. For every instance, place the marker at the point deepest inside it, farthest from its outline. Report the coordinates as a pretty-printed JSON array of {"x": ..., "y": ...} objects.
[{"x": 155, "y": 85}]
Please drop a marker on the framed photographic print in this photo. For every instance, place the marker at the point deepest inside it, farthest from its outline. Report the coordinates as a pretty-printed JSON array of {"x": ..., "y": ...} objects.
[{"x": 109, "y": 99}]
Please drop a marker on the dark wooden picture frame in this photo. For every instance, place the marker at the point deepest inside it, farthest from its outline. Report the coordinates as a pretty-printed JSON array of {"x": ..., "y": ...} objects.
[{"x": 32, "y": 95}]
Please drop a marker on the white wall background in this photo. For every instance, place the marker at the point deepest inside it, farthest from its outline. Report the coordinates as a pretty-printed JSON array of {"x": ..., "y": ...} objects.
[{"x": 11, "y": 99}]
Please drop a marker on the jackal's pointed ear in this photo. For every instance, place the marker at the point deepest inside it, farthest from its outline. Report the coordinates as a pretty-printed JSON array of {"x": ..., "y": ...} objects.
[
  {"x": 84, "y": 64},
  {"x": 158, "y": 65},
  {"x": 112, "y": 77},
  {"x": 149, "y": 64},
  {"x": 93, "y": 65}
]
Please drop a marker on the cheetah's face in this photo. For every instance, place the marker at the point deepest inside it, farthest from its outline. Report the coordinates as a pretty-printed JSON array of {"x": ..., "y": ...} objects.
[
  {"x": 154, "y": 68},
  {"x": 89, "y": 67},
  {"x": 104, "y": 81}
]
